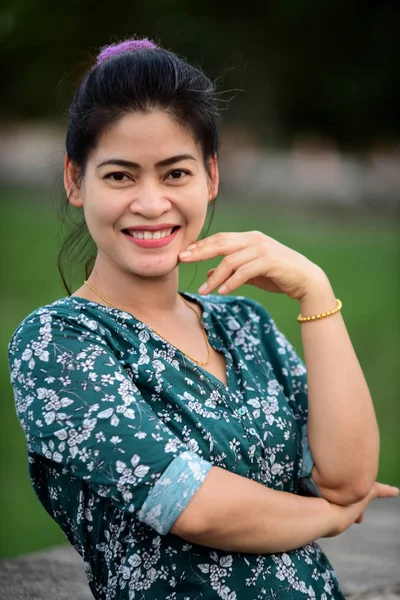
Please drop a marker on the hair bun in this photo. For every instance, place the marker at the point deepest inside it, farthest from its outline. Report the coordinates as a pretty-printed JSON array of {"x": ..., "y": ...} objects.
[{"x": 127, "y": 46}]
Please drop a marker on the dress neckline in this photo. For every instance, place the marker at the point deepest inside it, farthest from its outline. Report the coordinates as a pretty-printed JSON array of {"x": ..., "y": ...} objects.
[{"x": 205, "y": 319}]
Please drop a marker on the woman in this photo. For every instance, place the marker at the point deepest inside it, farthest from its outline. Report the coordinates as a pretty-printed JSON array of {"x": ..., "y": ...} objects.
[{"x": 171, "y": 435}]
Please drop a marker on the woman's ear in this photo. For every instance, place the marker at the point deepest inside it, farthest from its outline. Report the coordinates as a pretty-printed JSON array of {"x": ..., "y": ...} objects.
[
  {"x": 213, "y": 180},
  {"x": 72, "y": 187}
]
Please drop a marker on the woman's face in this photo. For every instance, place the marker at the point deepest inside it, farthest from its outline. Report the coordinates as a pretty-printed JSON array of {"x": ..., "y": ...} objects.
[{"x": 144, "y": 193}]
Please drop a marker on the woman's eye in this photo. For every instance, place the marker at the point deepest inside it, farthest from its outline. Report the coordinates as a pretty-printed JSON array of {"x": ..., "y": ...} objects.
[
  {"x": 177, "y": 174},
  {"x": 116, "y": 176}
]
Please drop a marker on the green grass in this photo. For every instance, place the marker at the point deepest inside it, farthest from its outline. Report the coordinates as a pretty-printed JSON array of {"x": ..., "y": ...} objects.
[{"x": 360, "y": 256}]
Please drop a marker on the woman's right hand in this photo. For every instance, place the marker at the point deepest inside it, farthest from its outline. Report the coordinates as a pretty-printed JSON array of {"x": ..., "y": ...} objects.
[{"x": 345, "y": 516}]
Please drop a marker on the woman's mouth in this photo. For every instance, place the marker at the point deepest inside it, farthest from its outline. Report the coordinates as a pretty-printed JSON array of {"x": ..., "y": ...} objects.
[{"x": 151, "y": 238}]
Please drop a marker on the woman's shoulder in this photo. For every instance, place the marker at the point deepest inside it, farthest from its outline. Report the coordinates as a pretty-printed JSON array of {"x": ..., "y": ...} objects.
[
  {"x": 245, "y": 316},
  {"x": 239, "y": 306},
  {"x": 69, "y": 310}
]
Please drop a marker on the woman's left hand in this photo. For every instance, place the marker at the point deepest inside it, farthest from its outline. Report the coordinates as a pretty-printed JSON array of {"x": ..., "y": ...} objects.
[{"x": 254, "y": 258}]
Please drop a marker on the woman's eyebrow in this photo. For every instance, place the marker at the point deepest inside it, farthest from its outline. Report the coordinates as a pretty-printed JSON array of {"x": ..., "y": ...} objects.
[{"x": 162, "y": 163}]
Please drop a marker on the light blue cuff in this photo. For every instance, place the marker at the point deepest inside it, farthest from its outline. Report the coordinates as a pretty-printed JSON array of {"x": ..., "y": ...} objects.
[
  {"x": 173, "y": 491},
  {"x": 307, "y": 464}
]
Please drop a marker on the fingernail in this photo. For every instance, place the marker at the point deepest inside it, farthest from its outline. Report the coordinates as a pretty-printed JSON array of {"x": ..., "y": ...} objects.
[
  {"x": 222, "y": 289},
  {"x": 202, "y": 288},
  {"x": 192, "y": 247},
  {"x": 185, "y": 254}
]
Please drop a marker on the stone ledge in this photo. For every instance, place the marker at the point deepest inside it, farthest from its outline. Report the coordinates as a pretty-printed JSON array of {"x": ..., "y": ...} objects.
[
  {"x": 391, "y": 592},
  {"x": 52, "y": 575},
  {"x": 366, "y": 558}
]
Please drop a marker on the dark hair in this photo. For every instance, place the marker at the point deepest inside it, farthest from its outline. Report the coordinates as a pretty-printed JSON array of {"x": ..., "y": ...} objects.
[{"x": 139, "y": 80}]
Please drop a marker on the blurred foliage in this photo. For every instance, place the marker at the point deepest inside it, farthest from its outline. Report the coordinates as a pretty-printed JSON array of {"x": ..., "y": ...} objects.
[
  {"x": 359, "y": 255},
  {"x": 300, "y": 65}
]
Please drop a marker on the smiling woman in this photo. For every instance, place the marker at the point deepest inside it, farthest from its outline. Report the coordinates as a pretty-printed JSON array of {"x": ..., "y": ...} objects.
[
  {"x": 177, "y": 439},
  {"x": 164, "y": 187}
]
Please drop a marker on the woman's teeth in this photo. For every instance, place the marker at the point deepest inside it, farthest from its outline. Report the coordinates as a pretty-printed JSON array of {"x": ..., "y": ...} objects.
[{"x": 150, "y": 235}]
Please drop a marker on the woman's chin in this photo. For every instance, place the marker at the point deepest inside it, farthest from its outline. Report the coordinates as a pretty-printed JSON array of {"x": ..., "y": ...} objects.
[{"x": 155, "y": 268}]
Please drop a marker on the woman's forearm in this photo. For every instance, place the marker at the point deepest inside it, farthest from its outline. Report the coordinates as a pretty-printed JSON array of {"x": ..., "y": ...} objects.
[
  {"x": 230, "y": 512},
  {"x": 342, "y": 430}
]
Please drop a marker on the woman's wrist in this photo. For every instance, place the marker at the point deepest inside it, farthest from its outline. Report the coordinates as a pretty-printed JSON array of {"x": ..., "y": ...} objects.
[
  {"x": 335, "y": 519},
  {"x": 318, "y": 298}
]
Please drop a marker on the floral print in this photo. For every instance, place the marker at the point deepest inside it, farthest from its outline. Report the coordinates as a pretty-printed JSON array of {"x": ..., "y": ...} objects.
[{"x": 122, "y": 430}]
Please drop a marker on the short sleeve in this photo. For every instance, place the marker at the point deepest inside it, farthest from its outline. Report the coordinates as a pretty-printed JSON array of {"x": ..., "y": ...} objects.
[
  {"x": 291, "y": 373},
  {"x": 78, "y": 407},
  {"x": 307, "y": 483}
]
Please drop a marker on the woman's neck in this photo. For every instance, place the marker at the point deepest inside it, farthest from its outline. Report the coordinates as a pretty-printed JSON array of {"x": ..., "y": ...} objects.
[{"x": 140, "y": 296}]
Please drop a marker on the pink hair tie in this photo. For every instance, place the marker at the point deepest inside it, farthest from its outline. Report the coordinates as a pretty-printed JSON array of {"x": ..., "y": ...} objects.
[{"x": 128, "y": 46}]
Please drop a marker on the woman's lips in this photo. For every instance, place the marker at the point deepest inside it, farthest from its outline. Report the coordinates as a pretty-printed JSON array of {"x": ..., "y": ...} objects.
[{"x": 152, "y": 243}]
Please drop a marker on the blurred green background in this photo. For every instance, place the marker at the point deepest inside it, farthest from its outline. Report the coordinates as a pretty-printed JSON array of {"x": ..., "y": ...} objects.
[{"x": 310, "y": 157}]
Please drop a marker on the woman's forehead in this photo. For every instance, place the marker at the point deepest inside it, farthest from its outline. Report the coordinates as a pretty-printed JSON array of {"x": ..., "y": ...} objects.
[{"x": 154, "y": 134}]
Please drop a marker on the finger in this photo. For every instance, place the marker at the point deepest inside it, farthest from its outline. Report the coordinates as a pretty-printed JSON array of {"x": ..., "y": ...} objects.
[
  {"x": 383, "y": 490},
  {"x": 219, "y": 244},
  {"x": 227, "y": 267},
  {"x": 360, "y": 518},
  {"x": 242, "y": 275}
]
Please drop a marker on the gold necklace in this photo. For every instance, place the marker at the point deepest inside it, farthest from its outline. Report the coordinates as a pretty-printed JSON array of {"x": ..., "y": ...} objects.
[{"x": 198, "y": 362}]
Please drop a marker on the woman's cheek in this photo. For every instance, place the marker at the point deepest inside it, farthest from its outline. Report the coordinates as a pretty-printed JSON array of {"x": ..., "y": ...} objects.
[
  {"x": 101, "y": 212},
  {"x": 195, "y": 224}
]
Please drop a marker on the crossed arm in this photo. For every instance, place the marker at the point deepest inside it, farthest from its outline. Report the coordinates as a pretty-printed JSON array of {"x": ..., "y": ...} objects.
[
  {"x": 342, "y": 430},
  {"x": 237, "y": 514}
]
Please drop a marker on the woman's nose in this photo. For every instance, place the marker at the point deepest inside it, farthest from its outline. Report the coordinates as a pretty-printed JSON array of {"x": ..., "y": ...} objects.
[{"x": 150, "y": 201}]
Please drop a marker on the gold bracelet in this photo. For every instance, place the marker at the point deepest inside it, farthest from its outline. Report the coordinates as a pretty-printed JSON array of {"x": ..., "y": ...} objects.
[{"x": 322, "y": 315}]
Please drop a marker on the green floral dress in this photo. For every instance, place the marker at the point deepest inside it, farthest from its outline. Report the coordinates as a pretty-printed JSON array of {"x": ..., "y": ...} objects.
[{"x": 122, "y": 430}]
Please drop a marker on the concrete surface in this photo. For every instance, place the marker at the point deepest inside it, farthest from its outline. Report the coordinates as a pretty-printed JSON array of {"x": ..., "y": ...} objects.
[
  {"x": 367, "y": 556},
  {"x": 366, "y": 559}
]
